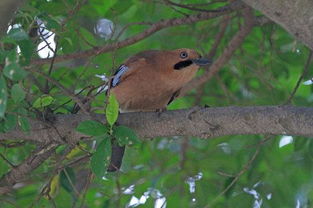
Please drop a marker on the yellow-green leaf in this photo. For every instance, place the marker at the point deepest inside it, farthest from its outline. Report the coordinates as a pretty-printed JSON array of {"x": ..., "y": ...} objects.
[
  {"x": 112, "y": 110},
  {"x": 43, "y": 101}
]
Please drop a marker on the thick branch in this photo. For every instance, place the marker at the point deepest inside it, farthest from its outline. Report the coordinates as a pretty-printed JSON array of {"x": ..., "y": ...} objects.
[
  {"x": 199, "y": 122},
  {"x": 294, "y": 15}
]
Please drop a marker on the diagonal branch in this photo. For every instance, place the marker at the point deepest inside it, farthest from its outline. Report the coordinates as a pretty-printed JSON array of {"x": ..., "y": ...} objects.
[
  {"x": 19, "y": 173},
  {"x": 153, "y": 29},
  {"x": 233, "y": 45}
]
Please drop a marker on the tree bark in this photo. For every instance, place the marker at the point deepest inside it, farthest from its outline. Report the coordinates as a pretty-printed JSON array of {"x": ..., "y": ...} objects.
[
  {"x": 197, "y": 122},
  {"x": 295, "y": 16},
  {"x": 7, "y": 9}
]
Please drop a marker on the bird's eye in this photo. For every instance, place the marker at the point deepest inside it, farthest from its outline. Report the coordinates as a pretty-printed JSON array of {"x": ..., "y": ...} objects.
[{"x": 183, "y": 55}]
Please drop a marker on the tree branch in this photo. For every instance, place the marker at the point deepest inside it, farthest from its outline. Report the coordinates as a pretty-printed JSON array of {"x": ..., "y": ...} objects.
[
  {"x": 20, "y": 172},
  {"x": 153, "y": 29},
  {"x": 198, "y": 122},
  {"x": 295, "y": 16},
  {"x": 233, "y": 45}
]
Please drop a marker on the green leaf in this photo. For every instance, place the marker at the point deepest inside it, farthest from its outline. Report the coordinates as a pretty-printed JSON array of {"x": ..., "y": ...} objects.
[
  {"x": 3, "y": 96},
  {"x": 43, "y": 101},
  {"x": 88, "y": 36},
  {"x": 14, "y": 72},
  {"x": 226, "y": 184},
  {"x": 68, "y": 179},
  {"x": 100, "y": 159},
  {"x": 3, "y": 55},
  {"x": 2, "y": 129},
  {"x": 26, "y": 47},
  {"x": 112, "y": 110},
  {"x": 23, "y": 123},
  {"x": 17, "y": 93},
  {"x": 92, "y": 128},
  {"x": 125, "y": 135},
  {"x": 16, "y": 34},
  {"x": 10, "y": 122},
  {"x": 22, "y": 119}
]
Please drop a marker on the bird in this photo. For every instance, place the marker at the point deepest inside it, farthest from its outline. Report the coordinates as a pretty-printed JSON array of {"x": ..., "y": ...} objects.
[{"x": 149, "y": 81}]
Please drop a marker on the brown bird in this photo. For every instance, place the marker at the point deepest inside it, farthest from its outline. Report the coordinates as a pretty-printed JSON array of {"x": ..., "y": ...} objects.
[{"x": 149, "y": 81}]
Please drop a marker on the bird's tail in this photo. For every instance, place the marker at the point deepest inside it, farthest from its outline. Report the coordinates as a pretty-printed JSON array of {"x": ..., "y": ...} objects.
[{"x": 116, "y": 157}]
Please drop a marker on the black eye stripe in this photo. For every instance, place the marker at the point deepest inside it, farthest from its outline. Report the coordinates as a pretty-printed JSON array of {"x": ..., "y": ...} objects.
[{"x": 182, "y": 64}]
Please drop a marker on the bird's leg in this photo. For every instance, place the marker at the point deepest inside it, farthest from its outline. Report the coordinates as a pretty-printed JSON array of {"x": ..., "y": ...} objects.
[{"x": 160, "y": 111}]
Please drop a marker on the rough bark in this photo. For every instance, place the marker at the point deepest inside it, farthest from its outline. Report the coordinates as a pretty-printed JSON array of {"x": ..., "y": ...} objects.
[
  {"x": 295, "y": 16},
  {"x": 7, "y": 9},
  {"x": 18, "y": 173},
  {"x": 198, "y": 122}
]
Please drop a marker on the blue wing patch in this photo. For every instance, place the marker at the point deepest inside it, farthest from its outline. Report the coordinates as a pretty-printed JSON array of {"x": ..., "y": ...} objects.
[{"x": 118, "y": 74}]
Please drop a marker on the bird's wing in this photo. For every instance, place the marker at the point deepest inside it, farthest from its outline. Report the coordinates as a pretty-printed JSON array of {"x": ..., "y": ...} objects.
[
  {"x": 118, "y": 75},
  {"x": 175, "y": 95},
  {"x": 128, "y": 69}
]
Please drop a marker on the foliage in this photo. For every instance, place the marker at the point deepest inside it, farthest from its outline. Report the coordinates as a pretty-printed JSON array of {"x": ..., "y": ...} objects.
[{"x": 263, "y": 71}]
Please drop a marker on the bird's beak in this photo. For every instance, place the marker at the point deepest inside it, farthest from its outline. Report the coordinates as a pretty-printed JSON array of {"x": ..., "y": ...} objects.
[{"x": 201, "y": 61}]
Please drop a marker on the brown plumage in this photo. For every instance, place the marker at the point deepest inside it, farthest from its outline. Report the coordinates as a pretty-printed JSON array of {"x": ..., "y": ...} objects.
[{"x": 151, "y": 79}]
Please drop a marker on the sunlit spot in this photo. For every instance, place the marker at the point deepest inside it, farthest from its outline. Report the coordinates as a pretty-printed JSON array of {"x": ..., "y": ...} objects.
[
  {"x": 225, "y": 147},
  {"x": 104, "y": 28},
  {"x": 104, "y": 87},
  {"x": 160, "y": 200},
  {"x": 18, "y": 49},
  {"x": 47, "y": 46},
  {"x": 308, "y": 82},
  {"x": 129, "y": 190},
  {"x": 298, "y": 204},
  {"x": 258, "y": 201},
  {"x": 284, "y": 140}
]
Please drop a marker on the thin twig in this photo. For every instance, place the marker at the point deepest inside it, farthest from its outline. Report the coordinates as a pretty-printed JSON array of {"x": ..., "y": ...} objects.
[
  {"x": 129, "y": 25},
  {"x": 65, "y": 90},
  {"x": 305, "y": 71},
  {"x": 222, "y": 9},
  {"x": 90, "y": 176},
  {"x": 7, "y": 161},
  {"x": 241, "y": 172},
  {"x": 12, "y": 144},
  {"x": 71, "y": 183},
  {"x": 51, "y": 67},
  {"x": 219, "y": 36}
]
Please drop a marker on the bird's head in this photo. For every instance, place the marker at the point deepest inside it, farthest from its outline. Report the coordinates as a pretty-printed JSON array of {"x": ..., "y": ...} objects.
[{"x": 185, "y": 58}]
